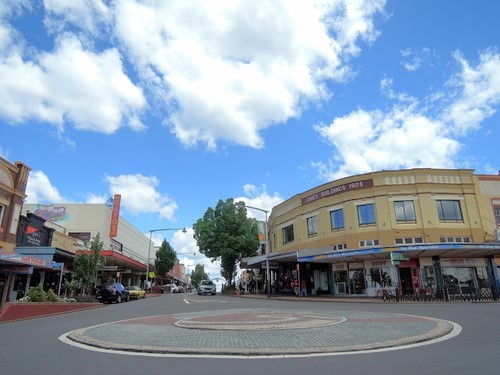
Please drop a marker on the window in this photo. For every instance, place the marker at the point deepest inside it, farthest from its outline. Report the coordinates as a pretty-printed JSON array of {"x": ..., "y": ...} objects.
[
  {"x": 287, "y": 234},
  {"x": 2, "y": 210},
  {"x": 455, "y": 239},
  {"x": 337, "y": 219},
  {"x": 368, "y": 243},
  {"x": 366, "y": 214},
  {"x": 339, "y": 246},
  {"x": 496, "y": 212},
  {"x": 408, "y": 240},
  {"x": 449, "y": 210},
  {"x": 312, "y": 226},
  {"x": 405, "y": 212}
]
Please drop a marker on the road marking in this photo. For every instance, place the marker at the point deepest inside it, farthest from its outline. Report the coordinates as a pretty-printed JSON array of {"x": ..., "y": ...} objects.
[{"x": 185, "y": 300}]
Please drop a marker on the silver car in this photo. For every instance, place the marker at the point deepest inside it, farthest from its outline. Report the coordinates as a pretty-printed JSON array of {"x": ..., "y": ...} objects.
[{"x": 206, "y": 287}]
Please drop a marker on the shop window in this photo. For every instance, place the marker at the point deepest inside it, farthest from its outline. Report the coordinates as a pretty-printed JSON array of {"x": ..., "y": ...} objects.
[
  {"x": 288, "y": 234},
  {"x": 405, "y": 212},
  {"x": 449, "y": 211},
  {"x": 312, "y": 226},
  {"x": 337, "y": 219},
  {"x": 366, "y": 214}
]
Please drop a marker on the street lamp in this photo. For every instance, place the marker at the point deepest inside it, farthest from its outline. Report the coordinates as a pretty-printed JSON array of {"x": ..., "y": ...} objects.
[
  {"x": 149, "y": 248},
  {"x": 267, "y": 248}
]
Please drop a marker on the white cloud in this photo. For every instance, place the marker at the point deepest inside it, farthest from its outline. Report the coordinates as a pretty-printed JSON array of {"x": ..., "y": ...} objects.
[
  {"x": 39, "y": 189},
  {"x": 139, "y": 195},
  {"x": 227, "y": 78},
  {"x": 257, "y": 196},
  {"x": 414, "y": 59},
  {"x": 479, "y": 92},
  {"x": 409, "y": 137},
  {"x": 187, "y": 250},
  {"x": 72, "y": 85},
  {"x": 369, "y": 141},
  {"x": 90, "y": 15},
  {"x": 222, "y": 72}
]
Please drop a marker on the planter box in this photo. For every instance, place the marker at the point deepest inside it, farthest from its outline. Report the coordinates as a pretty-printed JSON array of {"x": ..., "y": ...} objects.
[{"x": 26, "y": 310}]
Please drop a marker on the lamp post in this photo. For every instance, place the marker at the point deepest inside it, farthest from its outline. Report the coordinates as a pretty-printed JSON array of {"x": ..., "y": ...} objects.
[
  {"x": 268, "y": 276},
  {"x": 149, "y": 248}
]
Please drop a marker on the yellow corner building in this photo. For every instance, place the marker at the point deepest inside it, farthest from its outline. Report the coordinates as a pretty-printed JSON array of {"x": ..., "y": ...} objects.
[{"x": 410, "y": 231}]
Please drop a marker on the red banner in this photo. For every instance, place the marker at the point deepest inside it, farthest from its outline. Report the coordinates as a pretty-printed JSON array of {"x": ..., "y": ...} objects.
[{"x": 115, "y": 216}]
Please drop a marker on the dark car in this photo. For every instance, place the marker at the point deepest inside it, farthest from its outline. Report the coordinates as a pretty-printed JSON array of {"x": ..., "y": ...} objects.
[{"x": 108, "y": 293}]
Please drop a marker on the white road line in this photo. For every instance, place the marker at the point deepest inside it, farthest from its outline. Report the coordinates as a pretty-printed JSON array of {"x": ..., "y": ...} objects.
[{"x": 185, "y": 300}]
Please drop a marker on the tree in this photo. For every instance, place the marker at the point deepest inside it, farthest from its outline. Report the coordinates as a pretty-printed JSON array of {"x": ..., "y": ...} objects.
[
  {"x": 227, "y": 234},
  {"x": 165, "y": 259},
  {"x": 198, "y": 274},
  {"x": 88, "y": 263}
]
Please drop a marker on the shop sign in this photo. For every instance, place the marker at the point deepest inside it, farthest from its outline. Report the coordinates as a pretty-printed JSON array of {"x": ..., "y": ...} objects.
[
  {"x": 110, "y": 268},
  {"x": 350, "y": 186},
  {"x": 397, "y": 257},
  {"x": 24, "y": 270},
  {"x": 356, "y": 266},
  {"x": 377, "y": 263},
  {"x": 272, "y": 265},
  {"x": 115, "y": 216},
  {"x": 339, "y": 266},
  {"x": 463, "y": 262}
]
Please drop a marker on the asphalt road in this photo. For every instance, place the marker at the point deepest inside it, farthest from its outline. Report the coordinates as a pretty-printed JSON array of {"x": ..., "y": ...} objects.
[{"x": 33, "y": 346}]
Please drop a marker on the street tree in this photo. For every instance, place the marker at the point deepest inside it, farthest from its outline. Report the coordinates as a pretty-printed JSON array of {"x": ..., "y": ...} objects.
[
  {"x": 197, "y": 275},
  {"x": 165, "y": 259},
  {"x": 227, "y": 234},
  {"x": 88, "y": 263}
]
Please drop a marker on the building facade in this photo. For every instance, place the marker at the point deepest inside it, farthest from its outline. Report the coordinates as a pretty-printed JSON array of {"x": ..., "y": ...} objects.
[
  {"x": 408, "y": 230},
  {"x": 124, "y": 246}
]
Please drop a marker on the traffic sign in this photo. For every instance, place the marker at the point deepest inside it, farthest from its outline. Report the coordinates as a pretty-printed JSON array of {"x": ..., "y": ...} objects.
[{"x": 151, "y": 275}]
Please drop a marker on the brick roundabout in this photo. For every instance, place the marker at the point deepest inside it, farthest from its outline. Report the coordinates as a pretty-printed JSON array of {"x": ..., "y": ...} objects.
[{"x": 263, "y": 332}]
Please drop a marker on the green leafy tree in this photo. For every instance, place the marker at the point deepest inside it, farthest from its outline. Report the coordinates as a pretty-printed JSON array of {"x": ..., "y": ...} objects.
[
  {"x": 88, "y": 263},
  {"x": 165, "y": 259},
  {"x": 198, "y": 274},
  {"x": 225, "y": 233}
]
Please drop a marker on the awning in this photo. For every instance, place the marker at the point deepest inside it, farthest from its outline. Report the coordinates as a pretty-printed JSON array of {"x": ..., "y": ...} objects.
[{"x": 448, "y": 250}]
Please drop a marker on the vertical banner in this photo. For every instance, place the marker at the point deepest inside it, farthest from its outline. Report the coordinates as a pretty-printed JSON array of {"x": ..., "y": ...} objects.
[
  {"x": 115, "y": 215},
  {"x": 261, "y": 225}
]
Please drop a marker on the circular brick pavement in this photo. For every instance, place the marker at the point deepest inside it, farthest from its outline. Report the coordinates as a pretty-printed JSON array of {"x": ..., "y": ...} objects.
[{"x": 262, "y": 332}]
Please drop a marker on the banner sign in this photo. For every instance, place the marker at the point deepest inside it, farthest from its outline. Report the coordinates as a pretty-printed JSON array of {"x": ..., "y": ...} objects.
[{"x": 115, "y": 215}]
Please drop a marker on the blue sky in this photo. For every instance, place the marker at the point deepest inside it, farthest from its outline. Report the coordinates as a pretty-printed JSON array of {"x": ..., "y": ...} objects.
[{"x": 175, "y": 105}]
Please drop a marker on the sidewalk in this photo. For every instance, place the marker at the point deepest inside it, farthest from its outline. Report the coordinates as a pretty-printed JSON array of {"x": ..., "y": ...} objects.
[
  {"x": 316, "y": 298},
  {"x": 24, "y": 310}
]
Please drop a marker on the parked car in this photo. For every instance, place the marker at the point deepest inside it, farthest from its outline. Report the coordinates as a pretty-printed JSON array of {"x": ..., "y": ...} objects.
[
  {"x": 207, "y": 287},
  {"x": 172, "y": 288},
  {"x": 180, "y": 289},
  {"x": 136, "y": 292},
  {"x": 116, "y": 292}
]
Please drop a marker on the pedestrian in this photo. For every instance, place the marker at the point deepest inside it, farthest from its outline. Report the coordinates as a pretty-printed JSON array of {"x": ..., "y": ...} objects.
[{"x": 303, "y": 288}]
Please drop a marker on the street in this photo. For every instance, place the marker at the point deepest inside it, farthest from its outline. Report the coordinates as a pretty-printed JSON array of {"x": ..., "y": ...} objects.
[{"x": 33, "y": 346}]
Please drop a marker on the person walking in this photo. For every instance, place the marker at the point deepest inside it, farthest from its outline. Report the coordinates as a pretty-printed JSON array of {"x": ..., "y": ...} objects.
[{"x": 303, "y": 288}]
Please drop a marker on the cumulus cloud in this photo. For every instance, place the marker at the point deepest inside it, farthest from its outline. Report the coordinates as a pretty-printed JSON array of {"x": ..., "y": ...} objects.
[
  {"x": 220, "y": 72},
  {"x": 407, "y": 136},
  {"x": 139, "y": 195},
  {"x": 257, "y": 196},
  {"x": 478, "y": 92},
  {"x": 86, "y": 89},
  {"x": 39, "y": 189}
]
